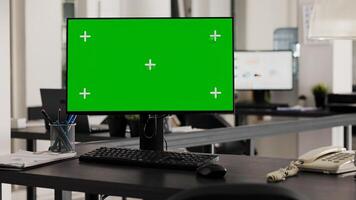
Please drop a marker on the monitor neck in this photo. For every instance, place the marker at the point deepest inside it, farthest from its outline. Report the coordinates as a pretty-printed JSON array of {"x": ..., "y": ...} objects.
[
  {"x": 151, "y": 132},
  {"x": 261, "y": 96}
]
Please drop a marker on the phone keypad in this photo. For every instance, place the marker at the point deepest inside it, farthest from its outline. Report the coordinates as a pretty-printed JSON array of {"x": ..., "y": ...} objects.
[{"x": 339, "y": 157}]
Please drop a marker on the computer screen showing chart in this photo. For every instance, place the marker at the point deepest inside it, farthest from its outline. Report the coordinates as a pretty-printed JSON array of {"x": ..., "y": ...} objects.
[
  {"x": 135, "y": 65},
  {"x": 263, "y": 70}
]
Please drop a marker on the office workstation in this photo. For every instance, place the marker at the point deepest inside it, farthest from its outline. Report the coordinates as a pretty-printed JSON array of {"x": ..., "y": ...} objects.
[{"x": 177, "y": 100}]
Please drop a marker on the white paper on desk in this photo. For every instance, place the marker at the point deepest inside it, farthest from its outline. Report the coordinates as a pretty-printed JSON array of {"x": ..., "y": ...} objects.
[
  {"x": 296, "y": 108},
  {"x": 24, "y": 159},
  {"x": 185, "y": 129}
]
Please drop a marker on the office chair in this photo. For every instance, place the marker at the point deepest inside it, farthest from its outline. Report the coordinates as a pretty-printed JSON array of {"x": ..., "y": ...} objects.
[
  {"x": 238, "y": 192},
  {"x": 205, "y": 121},
  {"x": 117, "y": 125},
  {"x": 209, "y": 121}
]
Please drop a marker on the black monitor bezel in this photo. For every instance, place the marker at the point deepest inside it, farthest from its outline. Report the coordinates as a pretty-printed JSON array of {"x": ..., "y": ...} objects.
[
  {"x": 153, "y": 112},
  {"x": 267, "y": 89}
]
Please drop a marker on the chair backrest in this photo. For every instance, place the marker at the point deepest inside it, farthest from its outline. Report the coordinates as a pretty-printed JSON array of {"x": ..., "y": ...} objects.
[
  {"x": 205, "y": 121},
  {"x": 238, "y": 192}
]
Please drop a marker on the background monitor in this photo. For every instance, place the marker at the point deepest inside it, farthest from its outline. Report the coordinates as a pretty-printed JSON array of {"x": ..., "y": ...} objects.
[
  {"x": 263, "y": 70},
  {"x": 150, "y": 65}
]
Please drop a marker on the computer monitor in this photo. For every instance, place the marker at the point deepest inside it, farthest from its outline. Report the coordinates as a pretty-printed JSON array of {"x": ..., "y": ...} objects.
[
  {"x": 150, "y": 66},
  {"x": 263, "y": 70}
]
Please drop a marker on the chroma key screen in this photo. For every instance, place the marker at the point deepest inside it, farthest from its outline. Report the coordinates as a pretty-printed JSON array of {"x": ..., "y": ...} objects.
[{"x": 150, "y": 65}]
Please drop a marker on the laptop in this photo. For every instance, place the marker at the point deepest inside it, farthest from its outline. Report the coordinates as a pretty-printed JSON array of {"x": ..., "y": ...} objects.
[{"x": 52, "y": 99}]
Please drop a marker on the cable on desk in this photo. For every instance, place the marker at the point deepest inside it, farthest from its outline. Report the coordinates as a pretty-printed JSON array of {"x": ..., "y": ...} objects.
[{"x": 283, "y": 173}]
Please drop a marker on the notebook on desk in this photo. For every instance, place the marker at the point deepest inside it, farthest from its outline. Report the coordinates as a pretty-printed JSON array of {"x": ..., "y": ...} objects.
[
  {"x": 52, "y": 99},
  {"x": 26, "y": 159}
]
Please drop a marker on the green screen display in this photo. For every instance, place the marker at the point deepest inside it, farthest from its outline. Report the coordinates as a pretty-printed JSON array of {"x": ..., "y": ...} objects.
[{"x": 150, "y": 65}]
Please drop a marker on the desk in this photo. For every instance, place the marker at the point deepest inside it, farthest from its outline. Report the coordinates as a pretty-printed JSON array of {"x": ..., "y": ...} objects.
[
  {"x": 283, "y": 113},
  {"x": 149, "y": 183},
  {"x": 34, "y": 133},
  {"x": 240, "y": 112},
  {"x": 179, "y": 140}
]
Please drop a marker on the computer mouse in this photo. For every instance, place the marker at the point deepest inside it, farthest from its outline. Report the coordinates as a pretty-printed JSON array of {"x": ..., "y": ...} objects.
[{"x": 212, "y": 171}]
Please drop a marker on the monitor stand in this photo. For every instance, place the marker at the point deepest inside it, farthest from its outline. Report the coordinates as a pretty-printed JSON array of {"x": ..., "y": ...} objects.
[
  {"x": 261, "y": 96},
  {"x": 151, "y": 132}
]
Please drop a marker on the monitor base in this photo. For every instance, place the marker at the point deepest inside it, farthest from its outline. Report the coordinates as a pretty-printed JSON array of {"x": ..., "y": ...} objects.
[{"x": 261, "y": 96}]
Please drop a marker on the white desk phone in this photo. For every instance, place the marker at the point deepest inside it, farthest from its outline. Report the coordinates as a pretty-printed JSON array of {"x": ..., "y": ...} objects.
[{"x": 329, "y": 160}]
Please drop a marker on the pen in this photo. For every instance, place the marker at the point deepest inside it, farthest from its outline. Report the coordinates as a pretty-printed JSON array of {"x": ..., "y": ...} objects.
[
  {"x": 73, "y": 119},
  {"x": 46, "y": 116},
  {"x": 70, "y": 118}
]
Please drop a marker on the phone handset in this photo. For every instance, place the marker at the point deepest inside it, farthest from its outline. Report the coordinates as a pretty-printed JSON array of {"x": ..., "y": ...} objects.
[{"x": 319, "y": 152}]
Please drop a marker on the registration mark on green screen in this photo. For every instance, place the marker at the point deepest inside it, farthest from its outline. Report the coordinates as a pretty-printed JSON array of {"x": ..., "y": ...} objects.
[{"x": 150, "y": 65}]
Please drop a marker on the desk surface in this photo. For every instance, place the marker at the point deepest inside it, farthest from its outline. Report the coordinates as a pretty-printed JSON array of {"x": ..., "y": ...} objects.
[
  {"x": 160, "y": 183},
  {"x": 283, "y": 113}
]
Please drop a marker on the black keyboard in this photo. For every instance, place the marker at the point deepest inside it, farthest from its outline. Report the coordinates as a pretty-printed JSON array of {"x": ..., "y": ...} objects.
[{"x": 148, "y": 158}]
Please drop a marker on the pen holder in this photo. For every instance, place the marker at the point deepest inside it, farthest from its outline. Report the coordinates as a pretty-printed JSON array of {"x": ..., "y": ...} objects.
[{"x": 62, "y": 137}]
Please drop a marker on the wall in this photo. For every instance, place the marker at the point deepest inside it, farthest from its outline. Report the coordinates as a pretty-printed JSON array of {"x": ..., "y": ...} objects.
[
  {"x": 5, "y": 85},
  {"x": 43, "y": 51},
  {"x": 200, "y": 8},
  {"x": 36, "y": 53},
  {"x": 43, "y": 23},
  {"x": 354, "y": 63},
  {"x": 240, "y": 15},
  {"x": 18, "y": 76},
  {"x": 123, "y": 8},
  {"x": 263, "y": 17},
  {"x": 342, "y": 66},
  {"x": 315, "y": 59},
  {"x": 220, "y": 8},
  {"x": 211, "y": 8},
  {"x": 145, "y": 8},
  {"x": 329, "y": 62},
  {"x": 97, "y": 8},
  {"x": 315, "y": 66},
  {"x": 256, "y": 22}
]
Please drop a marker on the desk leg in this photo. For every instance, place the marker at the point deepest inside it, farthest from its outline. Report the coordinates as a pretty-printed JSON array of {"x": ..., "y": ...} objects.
[
  {"x": 91, "y": 196},
  {"x": 0, "y": 191},
  {"x": 30, "y": 145},
  {"x": 212, "y": 148},
  {"x": 31, "y": 191},
  {"x": 348, "y": 137},
  {"x": 62, "y": 195},
  {"x": 252, "y": 147}
]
